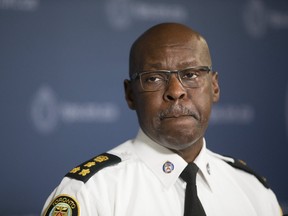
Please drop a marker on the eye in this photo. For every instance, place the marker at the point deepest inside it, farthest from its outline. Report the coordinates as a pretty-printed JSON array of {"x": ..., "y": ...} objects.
[
  {"x": 152, "y": 77},
  {"x": 189, "y": 74}
]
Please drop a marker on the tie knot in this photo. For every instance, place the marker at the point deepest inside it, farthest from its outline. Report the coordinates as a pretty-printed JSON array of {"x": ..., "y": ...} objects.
[{"x": 189, "y": 173}]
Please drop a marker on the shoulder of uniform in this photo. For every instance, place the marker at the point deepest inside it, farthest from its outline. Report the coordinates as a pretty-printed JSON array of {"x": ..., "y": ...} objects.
[
  {"x": 86, "y": 170},
  {"x": 240, "y": 164}
]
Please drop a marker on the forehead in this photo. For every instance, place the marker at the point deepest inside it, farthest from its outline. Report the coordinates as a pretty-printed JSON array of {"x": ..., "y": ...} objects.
[
  {"x": 168, "y": 46},
  {"x": 171, "y": 57}
]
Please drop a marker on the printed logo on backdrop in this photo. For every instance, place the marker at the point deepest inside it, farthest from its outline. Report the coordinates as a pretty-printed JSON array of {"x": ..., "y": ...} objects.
[
  {"x": 23, "y": 5},
  {"x": 232, "y": 114},
  {"x": 48, "y": 111},
  {"x": 121, "y": 14},
  {"x": 258, "y": 18},
  {"x": 287, "y": 113}
]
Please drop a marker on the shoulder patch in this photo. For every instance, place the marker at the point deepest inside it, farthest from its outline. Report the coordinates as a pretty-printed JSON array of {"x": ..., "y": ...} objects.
[
  {"x": 239, "y": 164},
  {"x": 63, "y": 205},
  {"x": 86, "y": 170}
]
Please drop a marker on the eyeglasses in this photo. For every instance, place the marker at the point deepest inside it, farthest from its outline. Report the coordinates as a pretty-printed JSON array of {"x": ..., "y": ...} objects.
[{"x": 191, "y": 77}]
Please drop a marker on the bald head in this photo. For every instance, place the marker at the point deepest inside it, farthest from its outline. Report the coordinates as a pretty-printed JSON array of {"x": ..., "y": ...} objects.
[{"x": 167, "y": 36}]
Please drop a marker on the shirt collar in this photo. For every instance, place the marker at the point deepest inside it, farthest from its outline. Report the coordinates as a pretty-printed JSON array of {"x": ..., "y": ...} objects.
[
  {"x": 165, "y": 164},
  {"x": 204, "y": 164}
]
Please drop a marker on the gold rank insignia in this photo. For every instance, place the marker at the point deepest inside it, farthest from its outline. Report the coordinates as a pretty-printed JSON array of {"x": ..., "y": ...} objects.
[
  {"x": 63, "y": 205},
  {"x": 86, "y": 170}
]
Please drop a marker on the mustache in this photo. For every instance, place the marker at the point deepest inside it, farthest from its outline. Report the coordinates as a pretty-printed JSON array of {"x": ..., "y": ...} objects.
[{"x": 176, "y": 111}]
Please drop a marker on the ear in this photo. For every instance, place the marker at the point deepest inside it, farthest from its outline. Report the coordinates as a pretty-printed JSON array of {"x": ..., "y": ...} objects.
[
  {"x": 215, "y": 87},
  {"x": 129, "y": 94}
]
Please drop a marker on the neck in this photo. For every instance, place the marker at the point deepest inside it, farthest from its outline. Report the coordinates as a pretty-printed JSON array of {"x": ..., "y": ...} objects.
[{"x": 189, "y": 154}]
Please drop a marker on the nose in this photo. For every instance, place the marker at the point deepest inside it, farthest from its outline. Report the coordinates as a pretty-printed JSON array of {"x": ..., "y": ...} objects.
[{"x": 174, "y": 90}]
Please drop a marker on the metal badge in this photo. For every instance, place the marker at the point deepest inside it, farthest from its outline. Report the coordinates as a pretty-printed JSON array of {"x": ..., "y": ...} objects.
[
  {"x": 208, "y": 168},
  {"x": 168, "y": 167}
]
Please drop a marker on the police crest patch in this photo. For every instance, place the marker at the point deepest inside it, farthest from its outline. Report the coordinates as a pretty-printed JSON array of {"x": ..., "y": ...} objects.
[{"x": 63, "y": 205}]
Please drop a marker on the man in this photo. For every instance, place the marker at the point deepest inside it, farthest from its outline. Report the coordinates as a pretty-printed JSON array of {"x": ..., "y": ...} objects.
[{"x": 172, "y": 88}]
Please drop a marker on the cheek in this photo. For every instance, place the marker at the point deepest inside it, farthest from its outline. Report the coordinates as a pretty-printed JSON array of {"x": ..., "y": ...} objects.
[
  {"x": 148, "y": 106},
  {"x": 203, "y": 101},
  {"x": 205, "y": 113}
]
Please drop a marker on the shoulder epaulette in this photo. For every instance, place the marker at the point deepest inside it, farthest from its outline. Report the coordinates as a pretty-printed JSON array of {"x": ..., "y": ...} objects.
[
  {"x": 239, "y": 164},
  {"x": 86, "y": 170}
]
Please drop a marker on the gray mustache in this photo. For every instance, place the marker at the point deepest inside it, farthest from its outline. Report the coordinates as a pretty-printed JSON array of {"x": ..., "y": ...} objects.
[{"x": 177, "y": 110}]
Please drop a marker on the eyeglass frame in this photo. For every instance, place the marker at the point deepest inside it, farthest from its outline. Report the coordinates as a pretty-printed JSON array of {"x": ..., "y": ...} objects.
[{"x": 137, "y": 75}]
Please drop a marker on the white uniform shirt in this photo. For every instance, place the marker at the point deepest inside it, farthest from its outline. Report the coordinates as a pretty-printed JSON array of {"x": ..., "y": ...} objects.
[{"x": 139, "y": 185}]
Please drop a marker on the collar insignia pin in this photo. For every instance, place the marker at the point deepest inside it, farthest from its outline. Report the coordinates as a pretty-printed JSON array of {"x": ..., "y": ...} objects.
[
  {"x": 208, "y": 168},
  {"x": 168, "y": 167}
]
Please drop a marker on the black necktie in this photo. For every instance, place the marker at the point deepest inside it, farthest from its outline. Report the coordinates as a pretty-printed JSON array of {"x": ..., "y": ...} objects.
[{"x": 193, "y": 206}]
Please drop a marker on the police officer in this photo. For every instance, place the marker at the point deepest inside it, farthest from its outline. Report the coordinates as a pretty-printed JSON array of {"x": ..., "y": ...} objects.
[{"x": 172, "y": 88}]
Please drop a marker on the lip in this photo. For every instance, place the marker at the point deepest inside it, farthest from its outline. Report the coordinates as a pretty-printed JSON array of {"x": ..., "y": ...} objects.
[
  {"x": 176, "y": 116},
  {"x": 178, "y": 111}
]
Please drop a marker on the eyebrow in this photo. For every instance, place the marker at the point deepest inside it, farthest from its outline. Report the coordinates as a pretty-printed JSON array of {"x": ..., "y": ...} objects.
[
  {"x": 159, "y": 65},
  {"x": 187, "y": 64},
  {"x": 153, "y": 65}
]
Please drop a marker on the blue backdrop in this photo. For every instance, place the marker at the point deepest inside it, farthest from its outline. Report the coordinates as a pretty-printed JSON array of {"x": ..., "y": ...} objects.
[{"x": 62, "y": 64}]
